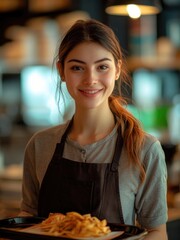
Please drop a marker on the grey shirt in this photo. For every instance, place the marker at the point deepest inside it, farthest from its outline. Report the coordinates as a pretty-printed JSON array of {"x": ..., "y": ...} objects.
[{"x": 143, "y": 202}]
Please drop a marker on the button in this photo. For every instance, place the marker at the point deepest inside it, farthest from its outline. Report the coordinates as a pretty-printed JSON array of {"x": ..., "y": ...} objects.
[{"x": 82, "y": 151}]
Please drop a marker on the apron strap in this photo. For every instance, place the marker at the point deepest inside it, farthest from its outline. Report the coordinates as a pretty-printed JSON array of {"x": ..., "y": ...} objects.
[
  {"x": 64, "y": 136},
  {"x": 117, "y": 153}
]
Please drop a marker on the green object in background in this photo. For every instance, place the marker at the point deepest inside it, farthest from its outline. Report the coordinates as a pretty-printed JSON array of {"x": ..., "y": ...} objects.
[
  {"x": 161, "y": 116},
  {"x": 151, "y": 117}
]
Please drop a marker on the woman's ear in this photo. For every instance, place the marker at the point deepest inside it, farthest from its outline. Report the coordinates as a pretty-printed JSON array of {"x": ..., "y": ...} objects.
[
  {"x": 118, "y": 70},
  {"x": 60, "y": 70}
]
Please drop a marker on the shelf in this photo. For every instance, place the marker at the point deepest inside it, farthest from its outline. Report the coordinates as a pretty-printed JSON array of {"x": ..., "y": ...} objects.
[{"x": 153, "y": 63}]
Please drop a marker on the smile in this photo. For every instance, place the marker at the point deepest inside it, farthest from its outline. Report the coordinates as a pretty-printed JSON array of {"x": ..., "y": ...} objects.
[{"x": 90, "y": 91}]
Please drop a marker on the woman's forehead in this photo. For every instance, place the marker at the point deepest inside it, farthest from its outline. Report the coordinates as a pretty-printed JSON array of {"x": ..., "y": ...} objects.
[{"x": 89, "y": 50}]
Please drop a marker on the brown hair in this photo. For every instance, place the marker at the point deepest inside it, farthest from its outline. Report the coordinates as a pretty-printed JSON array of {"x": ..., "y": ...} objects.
[{"x": 95, "y": 31}]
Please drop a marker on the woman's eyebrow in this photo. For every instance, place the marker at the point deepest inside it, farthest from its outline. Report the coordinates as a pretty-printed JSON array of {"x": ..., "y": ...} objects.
[
  {"x": 80, "y": 61},
  {"x": 75, "y": 60},
  {"x": 103, "y": 59}
]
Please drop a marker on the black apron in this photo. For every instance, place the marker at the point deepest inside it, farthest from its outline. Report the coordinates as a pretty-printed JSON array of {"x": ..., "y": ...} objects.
[{"x": 82, "y": 187}]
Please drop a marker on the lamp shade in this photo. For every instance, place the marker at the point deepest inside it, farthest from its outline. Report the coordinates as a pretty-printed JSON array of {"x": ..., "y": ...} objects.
[{"x": 120, "y": 7}]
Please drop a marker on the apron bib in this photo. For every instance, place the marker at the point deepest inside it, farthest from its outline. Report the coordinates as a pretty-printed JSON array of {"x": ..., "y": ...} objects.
[{"x": 82, "y": 187}]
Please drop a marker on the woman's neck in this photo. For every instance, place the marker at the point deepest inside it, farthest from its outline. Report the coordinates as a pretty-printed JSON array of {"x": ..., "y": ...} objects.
[{"x": 91, "y": 127}]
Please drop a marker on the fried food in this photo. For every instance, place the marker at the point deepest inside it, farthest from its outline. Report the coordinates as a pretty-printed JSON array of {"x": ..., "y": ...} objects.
[{"x": 75, "y": 225}]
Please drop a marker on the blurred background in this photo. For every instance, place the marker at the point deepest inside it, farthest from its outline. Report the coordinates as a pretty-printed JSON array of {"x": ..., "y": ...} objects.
[{"x": 30, "y": 32}]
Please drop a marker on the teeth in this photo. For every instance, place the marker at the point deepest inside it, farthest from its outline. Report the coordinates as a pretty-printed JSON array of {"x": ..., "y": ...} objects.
[{"x": 91, "y": 91}]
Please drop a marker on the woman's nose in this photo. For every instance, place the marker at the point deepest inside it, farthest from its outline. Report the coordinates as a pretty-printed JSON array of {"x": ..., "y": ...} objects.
[{"x": 90, "y": 77}]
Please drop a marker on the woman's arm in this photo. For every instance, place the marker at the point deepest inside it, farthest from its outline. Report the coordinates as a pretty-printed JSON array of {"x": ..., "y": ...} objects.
[
  {"x": 158, "y": 233},
  {"x": 151, "y": 198}
]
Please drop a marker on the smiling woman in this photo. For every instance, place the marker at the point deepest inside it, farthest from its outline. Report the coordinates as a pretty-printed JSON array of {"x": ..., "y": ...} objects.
[
  {"x": 90, "y": 77},
  {"x": 101, "y": 162}
]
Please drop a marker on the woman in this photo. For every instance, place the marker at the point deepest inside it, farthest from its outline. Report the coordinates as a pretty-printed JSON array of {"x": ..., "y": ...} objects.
[{"x": 101, "y": 161}]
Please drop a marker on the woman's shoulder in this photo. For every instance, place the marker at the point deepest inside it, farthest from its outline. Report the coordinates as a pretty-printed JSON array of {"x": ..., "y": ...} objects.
[
  {"x": 152, "y": 149},
  {"x": 151, "y": 141},
  {"x": 51, "y": 132}
]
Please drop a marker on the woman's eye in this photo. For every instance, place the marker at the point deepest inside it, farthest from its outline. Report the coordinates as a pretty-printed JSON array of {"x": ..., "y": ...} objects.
[
  {"x": 103, "y": 67},
  {"x": 76, "y": 68}
]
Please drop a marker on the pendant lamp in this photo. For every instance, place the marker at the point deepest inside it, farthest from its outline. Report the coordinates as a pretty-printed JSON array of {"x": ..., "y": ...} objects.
[{"x": 134, "y": 8}]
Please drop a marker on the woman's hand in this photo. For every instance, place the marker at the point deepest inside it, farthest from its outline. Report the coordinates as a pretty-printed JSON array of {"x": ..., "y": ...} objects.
[{"x": 158, "y": 233}]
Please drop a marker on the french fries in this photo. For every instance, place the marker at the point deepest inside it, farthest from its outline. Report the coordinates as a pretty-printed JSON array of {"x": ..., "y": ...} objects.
[{"x": 74, "y": 225}]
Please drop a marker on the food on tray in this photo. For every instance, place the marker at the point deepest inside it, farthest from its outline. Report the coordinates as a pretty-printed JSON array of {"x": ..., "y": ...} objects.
[{"x": 74, "y": 225}]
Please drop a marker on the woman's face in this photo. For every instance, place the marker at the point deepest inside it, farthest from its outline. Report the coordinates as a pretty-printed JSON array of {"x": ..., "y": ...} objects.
[{"x": 90, "y": 73}]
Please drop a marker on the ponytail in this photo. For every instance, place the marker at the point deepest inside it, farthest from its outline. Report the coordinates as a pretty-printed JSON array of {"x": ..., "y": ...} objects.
[{"x": 132, "y": 132}]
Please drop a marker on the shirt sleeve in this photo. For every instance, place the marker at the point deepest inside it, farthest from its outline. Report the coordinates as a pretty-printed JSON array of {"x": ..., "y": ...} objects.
[
  {"x": 151, "y": 198},
  {"x": 38, "y": 154},
  {"x": 30, "y": 184}
]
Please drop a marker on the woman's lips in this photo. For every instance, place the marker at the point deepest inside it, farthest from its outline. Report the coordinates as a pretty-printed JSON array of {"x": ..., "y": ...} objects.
[{"x": 90, "y": 92}]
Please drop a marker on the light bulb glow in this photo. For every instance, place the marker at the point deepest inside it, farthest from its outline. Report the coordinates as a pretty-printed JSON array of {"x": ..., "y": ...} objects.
[{"x": 133, "y": 11}]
